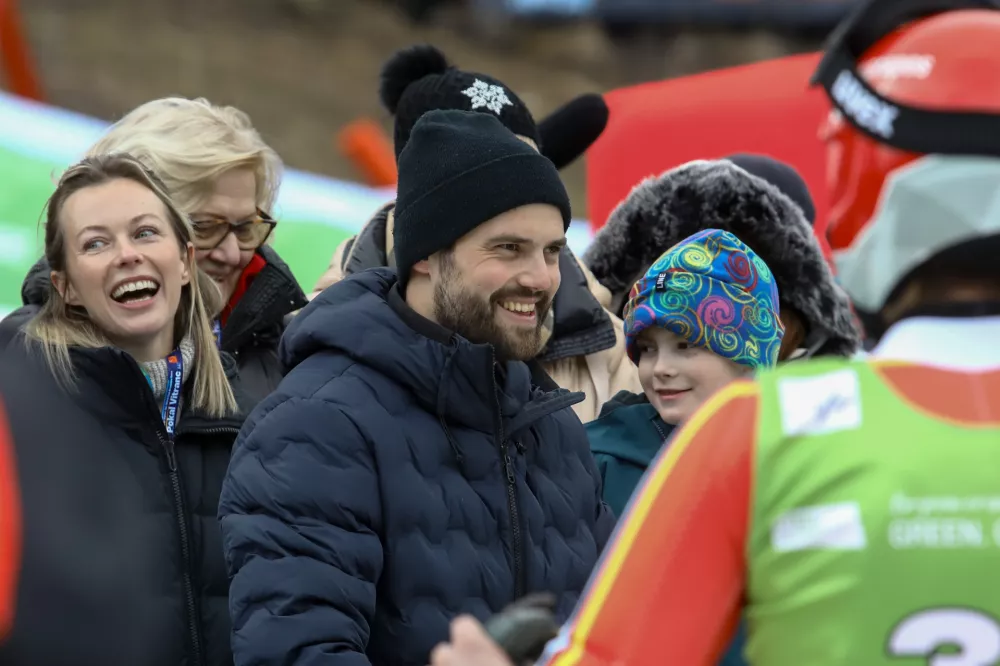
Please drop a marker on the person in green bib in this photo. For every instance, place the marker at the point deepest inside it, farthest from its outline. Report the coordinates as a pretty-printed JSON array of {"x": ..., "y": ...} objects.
[{"x": 848, "y": 509}]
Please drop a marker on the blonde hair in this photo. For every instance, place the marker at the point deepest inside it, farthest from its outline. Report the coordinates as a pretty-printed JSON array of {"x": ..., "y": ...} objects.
[
  {"x": 190, "y": 143},
  {"x": 58, "y": 326}
]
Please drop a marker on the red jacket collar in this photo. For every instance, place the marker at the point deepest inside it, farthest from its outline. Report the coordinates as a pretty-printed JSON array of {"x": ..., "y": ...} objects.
[{"x": 251, "y": 271}]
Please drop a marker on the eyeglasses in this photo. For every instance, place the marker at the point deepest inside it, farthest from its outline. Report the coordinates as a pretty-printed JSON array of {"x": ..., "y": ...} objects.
[{"x": 210, "y": 231}]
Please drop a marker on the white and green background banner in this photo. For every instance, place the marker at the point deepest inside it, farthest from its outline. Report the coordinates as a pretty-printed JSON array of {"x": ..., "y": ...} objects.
[{"x": 37, "y": 142}]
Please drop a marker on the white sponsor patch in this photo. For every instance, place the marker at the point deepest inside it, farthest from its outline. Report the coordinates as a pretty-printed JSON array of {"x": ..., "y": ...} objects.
[
  {"x": 820, "y": 405},
  {"x": 823, "y": 527}
]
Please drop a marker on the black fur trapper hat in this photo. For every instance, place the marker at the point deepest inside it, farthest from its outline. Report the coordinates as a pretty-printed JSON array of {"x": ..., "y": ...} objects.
[{"x": 663, "y": 210}]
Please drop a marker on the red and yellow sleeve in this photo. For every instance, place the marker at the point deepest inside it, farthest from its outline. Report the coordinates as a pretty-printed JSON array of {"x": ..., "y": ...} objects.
[
  {"x": 669, "y": 587},
  {"x": 10, "y": 527}
]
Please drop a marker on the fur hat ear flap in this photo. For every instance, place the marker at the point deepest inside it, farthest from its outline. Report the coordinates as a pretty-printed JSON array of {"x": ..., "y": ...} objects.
[{"x": 663, "y": 210}]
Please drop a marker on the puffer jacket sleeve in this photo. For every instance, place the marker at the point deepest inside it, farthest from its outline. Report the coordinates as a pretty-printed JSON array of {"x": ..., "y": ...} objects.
[{"x": 301, "y": 517}]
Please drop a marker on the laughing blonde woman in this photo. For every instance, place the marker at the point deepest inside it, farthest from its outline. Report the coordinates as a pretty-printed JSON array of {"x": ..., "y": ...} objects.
[{"x": 125, "y": 344}]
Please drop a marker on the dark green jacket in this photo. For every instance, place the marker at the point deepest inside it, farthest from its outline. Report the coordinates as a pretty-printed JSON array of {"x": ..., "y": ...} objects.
[{"x": 625, "y": 439}]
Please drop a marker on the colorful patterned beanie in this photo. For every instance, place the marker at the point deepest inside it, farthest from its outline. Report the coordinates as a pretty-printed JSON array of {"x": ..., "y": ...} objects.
[{"x": 713, "y": 291}]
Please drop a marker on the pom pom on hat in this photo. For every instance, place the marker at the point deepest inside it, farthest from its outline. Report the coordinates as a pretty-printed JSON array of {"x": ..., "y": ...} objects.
[
  {"x": 404, "y": 68},
  {"x": 419, "y": 79}
]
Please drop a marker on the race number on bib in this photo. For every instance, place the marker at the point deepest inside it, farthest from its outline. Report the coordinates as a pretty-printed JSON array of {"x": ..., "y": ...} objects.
[{"x": 948, "y": 637}]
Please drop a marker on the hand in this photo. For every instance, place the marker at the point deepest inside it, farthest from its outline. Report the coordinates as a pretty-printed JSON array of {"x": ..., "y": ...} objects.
[{"x": 470, "y": 646}]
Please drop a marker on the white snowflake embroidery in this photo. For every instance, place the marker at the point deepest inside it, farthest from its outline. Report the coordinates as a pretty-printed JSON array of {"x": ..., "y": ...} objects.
[{"x": 493, "y": 97}]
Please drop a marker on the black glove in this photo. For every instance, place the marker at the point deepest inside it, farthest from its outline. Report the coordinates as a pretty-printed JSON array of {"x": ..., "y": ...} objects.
[{"x": 523, "y": 628}]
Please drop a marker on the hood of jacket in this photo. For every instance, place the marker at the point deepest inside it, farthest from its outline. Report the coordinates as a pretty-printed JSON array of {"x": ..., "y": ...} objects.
[
  {"x": 580, "y": 325},
  {"x": 364, "y": 318},
  {"x": 261, "y": 311},
  {"x": 35, "y": 288},
  {"x": 663, "y": 210}
]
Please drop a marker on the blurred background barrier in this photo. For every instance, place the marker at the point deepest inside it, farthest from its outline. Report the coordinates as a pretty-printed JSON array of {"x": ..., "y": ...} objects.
[
  {"x": 38, "y": 141},
  {"x": 307, "y": 73}
]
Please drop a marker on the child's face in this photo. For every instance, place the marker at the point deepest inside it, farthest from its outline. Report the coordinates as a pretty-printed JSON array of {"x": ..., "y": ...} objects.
[{"x": 678, "y": 377}]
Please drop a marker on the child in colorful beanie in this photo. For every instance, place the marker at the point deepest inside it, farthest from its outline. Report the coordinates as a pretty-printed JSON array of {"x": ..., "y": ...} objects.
[{"x": 704, "y": 314}]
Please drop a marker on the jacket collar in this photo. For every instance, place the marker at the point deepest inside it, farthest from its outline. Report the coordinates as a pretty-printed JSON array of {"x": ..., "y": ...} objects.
[
  {"x": 260, "y": 313},
  {"x": 629, "y": 428},
  {"x": 110, "y": 384},
  {"x": 582, "y": 326}
]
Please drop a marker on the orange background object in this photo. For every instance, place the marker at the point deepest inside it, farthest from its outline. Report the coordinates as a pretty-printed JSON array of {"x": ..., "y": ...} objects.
[
  {"x": 18, "y": 67},
  {"x": 765, "y": 108},
  {"x": 365, "y": 144}
]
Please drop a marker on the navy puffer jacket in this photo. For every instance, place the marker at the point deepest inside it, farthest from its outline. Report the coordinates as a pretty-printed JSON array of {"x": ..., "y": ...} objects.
[{"x": 397, "y": 478}]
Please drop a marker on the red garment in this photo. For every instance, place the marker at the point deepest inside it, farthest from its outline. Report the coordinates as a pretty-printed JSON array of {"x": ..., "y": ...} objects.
[
  {"x": 255, "y": 266},
  {"x": 10, "y": 527}
]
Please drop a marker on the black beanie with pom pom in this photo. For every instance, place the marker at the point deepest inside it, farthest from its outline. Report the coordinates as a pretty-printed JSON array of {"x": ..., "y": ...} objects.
[{"x": 419, "y": 79}]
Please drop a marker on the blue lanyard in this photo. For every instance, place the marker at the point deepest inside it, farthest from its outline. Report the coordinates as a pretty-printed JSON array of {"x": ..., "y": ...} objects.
[
  {"x": 172, "y": 395},
  {"x": 217, "y": 331}
]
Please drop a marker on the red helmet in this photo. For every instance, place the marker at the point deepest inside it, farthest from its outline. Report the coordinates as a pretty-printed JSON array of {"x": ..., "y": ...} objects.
[{"x": 948, "y": 62}]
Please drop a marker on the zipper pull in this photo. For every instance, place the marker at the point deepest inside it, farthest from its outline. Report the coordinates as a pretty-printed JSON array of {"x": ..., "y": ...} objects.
[
  {"x": 168, "y": 445},
  {"x": 521, "y": 448},
  {"x": 508, "y": 467}
]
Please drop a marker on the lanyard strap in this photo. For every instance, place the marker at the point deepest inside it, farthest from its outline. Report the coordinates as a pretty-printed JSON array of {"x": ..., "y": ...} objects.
[
  {"x": 217, "y": 332},
  {"x": 172, "y": 395}
]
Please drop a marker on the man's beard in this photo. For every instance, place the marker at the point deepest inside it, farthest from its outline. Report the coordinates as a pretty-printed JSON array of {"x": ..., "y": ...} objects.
[{"x": 475, "y": 319}]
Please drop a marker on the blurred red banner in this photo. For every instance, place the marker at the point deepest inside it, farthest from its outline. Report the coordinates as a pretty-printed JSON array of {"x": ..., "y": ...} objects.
[{"x": 764, "y": 108}]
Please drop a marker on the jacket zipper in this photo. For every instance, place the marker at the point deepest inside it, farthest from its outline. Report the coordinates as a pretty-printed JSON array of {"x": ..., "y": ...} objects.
[
  {"x": 512, "y": 505},
  {"x": 515, "y": 519},
  {"x": 179, "y": 512}
]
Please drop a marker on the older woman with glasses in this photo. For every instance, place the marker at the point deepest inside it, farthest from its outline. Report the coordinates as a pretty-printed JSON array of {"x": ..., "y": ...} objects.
[{"x": 225, "y": 178}]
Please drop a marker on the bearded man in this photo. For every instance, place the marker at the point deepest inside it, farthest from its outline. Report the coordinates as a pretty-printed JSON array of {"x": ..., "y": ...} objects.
[{"x": 411, "y": 466}]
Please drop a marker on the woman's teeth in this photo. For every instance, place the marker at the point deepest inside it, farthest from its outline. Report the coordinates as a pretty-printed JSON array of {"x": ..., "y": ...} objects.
[{"x": 129, "y": 289}]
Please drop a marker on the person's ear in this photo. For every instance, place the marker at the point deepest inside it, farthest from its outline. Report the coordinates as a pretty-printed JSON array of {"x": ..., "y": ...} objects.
[
  {"x": 423, "y": 267},
  {"x": 187, "y": 259},
  {"x": 64, "y": 288}
]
